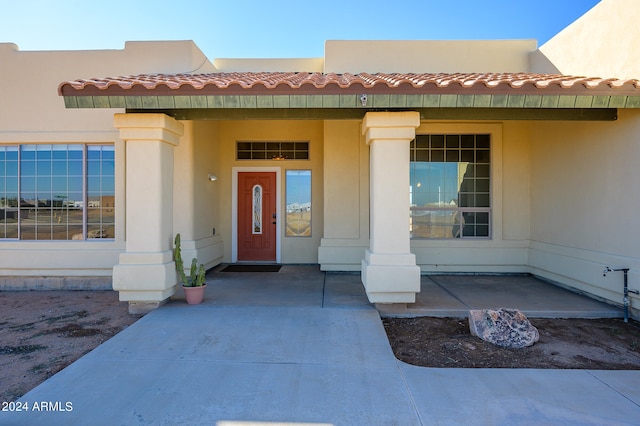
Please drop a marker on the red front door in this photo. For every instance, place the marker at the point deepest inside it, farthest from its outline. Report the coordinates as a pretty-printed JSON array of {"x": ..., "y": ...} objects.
[{"x": 257, "y": 216}]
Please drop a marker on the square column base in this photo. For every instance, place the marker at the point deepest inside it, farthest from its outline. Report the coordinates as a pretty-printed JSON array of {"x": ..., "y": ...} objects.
[
  {"x": 143, "y": 308},
  {"x": 145, "y": 284},
  {"x": 395, "y": 281}
]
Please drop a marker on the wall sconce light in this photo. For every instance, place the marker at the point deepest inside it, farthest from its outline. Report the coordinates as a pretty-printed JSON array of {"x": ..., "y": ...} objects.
[{"x": 212, "y": 178}]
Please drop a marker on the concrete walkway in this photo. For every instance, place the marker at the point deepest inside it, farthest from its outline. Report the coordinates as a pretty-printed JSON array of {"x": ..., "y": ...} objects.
[{"x": 303, "y": 347}]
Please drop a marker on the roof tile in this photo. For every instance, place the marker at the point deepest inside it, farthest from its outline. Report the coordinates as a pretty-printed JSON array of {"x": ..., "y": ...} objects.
[{"x": 303, "y": 82}]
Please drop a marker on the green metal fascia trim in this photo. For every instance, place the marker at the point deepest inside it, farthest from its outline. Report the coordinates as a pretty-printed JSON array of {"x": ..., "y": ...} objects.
[
  {"x": 351, "y": 101},
  {"x": 581, "y": 114},
  {"x": 529, "y": 114}
]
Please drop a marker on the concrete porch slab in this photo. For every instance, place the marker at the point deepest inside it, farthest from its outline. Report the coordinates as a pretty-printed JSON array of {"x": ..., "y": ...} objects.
[{"x": 455, "y": 295}]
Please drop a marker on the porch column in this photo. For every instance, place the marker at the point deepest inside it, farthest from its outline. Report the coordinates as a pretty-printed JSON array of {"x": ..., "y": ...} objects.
[
  {"x": 389, "y": 270},
  {"x": 145, "y": 275}
]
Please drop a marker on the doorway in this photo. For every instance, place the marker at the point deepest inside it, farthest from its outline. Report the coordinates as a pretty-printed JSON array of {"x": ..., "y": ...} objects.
[{"x": 256, "y": 215}]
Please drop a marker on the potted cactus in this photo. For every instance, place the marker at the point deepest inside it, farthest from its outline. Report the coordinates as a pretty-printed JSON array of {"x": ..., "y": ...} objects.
[{"x": 193, "y": 284}]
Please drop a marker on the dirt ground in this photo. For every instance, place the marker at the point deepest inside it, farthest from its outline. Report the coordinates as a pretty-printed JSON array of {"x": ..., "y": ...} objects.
[
  {"x": 41, "y": 332},
  {"x": 602, "y": 344}
]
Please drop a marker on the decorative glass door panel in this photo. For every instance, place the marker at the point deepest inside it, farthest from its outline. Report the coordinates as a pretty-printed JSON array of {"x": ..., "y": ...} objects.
[{"x": 257, "y": 210}]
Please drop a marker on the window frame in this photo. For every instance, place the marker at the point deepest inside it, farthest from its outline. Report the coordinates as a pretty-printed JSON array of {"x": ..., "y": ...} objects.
[
  {"x": 302, "y": 209},
  {"x": 50, "y": 176},
  {"x": 268, "y": 150},
  {"x": 457, "y": 210}
]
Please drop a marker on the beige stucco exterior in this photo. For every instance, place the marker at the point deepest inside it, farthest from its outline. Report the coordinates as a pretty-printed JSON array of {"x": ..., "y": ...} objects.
[
  {"x": 437, "y": 56},
  {"x": 576, "y": 232},
  {"x": 598, "y": 226},
  {"x": 562, "y": 192},
  {"x": 266, "y": 65},
  {"x": 32, "y": 113},
  {"x": 601, "y": 43}
]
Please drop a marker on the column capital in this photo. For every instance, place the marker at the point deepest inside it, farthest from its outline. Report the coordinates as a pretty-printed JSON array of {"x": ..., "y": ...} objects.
[
  {"x": 399, "y": 134},
  {"x": 158, "y": 127},
  {"x": 388, "y": 119},
  {"x": 390, "y": 125}
]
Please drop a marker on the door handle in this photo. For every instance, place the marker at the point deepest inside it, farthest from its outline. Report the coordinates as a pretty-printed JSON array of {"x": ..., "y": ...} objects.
[{"x": 274, "y": 216}]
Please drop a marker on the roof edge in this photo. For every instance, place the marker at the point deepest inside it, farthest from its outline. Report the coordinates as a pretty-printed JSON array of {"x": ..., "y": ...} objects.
[{"x": 310, "y": 83}]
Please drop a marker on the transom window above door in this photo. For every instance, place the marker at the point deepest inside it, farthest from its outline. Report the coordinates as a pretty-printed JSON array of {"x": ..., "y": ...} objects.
[
  {"x": 254, "y": 150},
  {"x": 450, "y": 187}
]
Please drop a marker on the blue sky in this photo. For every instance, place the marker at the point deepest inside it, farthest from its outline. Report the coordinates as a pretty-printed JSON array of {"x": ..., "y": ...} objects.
[
  {"x": 298, "y": 186},
  {"x": 276, "y": 29}
]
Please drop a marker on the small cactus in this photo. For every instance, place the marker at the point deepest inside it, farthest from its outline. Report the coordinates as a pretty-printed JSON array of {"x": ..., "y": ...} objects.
[{"x": 196, "y": 275}]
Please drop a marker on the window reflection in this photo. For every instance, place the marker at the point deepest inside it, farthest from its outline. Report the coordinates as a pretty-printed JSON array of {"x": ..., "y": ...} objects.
[
  {"x": 43, "y": 194},
  {"x": 298, "y": 200},
  {"x": 9, "y": 192},
  {"x": 450, "y": 186}
]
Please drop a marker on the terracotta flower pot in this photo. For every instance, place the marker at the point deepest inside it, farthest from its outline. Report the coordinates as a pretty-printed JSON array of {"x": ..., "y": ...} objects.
[{"x": 194, "y": 295}]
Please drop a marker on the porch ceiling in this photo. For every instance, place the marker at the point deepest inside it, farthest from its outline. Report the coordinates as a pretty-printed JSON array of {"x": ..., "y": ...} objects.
[
  {"x": 581, "y": 114},
  {"x": 318, "y": 95}
]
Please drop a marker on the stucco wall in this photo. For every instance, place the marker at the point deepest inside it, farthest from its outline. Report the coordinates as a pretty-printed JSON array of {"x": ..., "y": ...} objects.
[
  {"x": 30, "y": 79},
  {"x": 293, "y": 249},
  {"x": 196, "y": 208},
  {"x": 418, "y": 56},
  {"x": 346, "y": 194},
  {"x": 584, "y": 202},
  {"x": 266, "y": 65},
  {"x": 516, "y": 181},
  {"x": 601, "y": 43},
  {"x": 32, "y": 112}
]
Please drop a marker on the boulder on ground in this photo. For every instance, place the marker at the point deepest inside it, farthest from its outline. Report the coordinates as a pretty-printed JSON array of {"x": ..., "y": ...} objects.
[{"x": 507, "y": 328}]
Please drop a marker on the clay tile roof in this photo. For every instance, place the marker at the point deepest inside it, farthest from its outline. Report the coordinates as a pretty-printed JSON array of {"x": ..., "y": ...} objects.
[{"x": 260, "y": 83}]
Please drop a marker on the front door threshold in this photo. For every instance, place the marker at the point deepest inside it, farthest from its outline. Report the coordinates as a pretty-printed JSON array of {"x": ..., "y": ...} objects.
[{"x": 251, "y": 267}]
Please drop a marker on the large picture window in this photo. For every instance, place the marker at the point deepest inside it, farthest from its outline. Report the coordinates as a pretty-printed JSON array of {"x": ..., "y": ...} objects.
[
  {"x": 450, "y": 192},
  {"x": 57, "y": 192}
]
